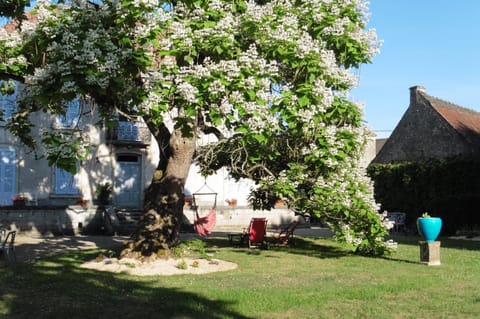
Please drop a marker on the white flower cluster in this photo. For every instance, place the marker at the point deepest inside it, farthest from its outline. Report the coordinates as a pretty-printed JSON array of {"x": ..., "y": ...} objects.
[
  {"x": 187, "y": 91},
  {"x": 338, "y": 28},
  {"x": 11, "y": 39},
  {"x": 153, "y": 4},
  {"x": 44, "y": 12},
  {"x": 256, "y": 13}
]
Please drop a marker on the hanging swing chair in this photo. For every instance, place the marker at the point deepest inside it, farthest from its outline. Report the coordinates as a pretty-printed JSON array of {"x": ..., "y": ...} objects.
[{"x": 203, "y": 226}]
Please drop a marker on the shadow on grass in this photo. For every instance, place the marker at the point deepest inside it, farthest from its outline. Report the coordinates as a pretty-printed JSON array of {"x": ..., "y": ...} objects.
[
  {"x": 445, "y": 242},
  {"x": 32, "y": 250},
  {"x": 327, "y": 248},
  {"x": 406, "y": 261},
  {"x": 57, "y": 288}
]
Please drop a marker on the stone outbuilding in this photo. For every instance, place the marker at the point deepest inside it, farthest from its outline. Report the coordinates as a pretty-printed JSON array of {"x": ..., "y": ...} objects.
[{"x": 432, "y": 128}]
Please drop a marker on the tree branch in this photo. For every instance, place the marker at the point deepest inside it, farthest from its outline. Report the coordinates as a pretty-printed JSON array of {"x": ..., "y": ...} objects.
[
  {"x": 212, "y": 130},
  {"x": 162, "y": 136},
  {"x": 8, "y": 76},
  {"x": 208, "y": 129}
]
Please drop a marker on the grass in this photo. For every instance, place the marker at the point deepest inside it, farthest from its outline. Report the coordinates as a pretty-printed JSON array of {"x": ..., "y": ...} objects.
[{"x": 317, "y": 278}]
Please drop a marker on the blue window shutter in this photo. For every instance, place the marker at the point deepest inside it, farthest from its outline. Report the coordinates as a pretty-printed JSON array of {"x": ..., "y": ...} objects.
[
  {"x": 72, "y": 114},
  {"x": 65, "y": 182},
  {"x": 8, "y": 104},
  {"x": 7, "y": 175}
]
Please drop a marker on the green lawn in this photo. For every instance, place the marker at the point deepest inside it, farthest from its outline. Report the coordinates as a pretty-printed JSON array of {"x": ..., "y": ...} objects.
[{"x": 317, "y": 278}]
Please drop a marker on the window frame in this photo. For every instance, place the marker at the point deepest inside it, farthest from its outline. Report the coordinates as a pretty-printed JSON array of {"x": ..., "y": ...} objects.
[
  {"x": 71, "y": 118},
  {"x": 8, "y": 112},
  {"x": 72, "y": 189}
]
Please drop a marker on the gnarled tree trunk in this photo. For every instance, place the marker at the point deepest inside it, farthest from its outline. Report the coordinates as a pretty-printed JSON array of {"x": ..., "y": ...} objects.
[{"x": 160, "y": 223}]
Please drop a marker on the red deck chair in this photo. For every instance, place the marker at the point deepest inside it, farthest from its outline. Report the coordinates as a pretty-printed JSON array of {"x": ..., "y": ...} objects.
[
  {"x": 285, "y": 235},
  {"x": 257, "y": 232}
]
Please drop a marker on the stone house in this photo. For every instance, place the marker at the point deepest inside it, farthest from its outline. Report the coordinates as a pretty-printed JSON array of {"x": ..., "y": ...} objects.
[
  {"x": 432, "y": 128},
  {"x": 124, "y": 157}
]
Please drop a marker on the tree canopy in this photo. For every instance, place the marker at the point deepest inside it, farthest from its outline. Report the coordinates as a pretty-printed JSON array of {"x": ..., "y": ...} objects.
[
  {"x": 269, "y": 78},
  {"x": 13, "y": 8}
]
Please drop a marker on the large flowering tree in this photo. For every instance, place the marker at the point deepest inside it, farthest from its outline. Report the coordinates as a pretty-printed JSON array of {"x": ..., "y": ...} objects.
[{"x": 269, "y": 78}]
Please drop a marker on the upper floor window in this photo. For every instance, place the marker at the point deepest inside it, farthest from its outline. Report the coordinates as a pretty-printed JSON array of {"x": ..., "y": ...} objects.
[
  {"x": 65, "y": 182},
  {"x": 72, "y": 115},
  {"x": 128, "y": 131},
  {"x": 8, "y": 104}
]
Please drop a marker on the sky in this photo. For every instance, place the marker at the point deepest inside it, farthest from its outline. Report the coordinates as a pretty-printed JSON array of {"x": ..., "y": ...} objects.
[{"x": 431, "y": 43}]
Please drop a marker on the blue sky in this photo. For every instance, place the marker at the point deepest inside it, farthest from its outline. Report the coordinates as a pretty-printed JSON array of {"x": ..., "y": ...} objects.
[{"x": 432, "y": 43}]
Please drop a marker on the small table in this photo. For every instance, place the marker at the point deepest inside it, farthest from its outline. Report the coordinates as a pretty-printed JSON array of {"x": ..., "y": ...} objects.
[{"x": 240, "y": 236}]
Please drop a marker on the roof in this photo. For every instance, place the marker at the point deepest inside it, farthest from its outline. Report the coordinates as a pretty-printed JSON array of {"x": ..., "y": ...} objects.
[
  {"x": 465, "y": 121},
  {"x": 13, "y": 24}
]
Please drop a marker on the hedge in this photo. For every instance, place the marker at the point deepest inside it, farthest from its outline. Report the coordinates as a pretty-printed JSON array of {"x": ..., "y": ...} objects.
[{"x": 448, "y": 188}]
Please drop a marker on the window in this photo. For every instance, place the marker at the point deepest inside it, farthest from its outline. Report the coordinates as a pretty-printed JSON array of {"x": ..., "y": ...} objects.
[
  {"x": 8, "y": 105},
  {"x": 65, "y": 182},
  {"x": 71, "y": 116},
  {"x": 7, "y": 175},
  {"x": 128, "y": 131}
]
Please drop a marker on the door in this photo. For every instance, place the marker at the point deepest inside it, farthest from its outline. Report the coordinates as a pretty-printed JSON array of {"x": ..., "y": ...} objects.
[
  {"x": 7, "y": 176},
  {"x": 128, "y": 178}
]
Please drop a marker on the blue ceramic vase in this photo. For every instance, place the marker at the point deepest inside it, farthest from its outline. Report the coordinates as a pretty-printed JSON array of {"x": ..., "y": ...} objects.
[{"x": 429, "y": 227}]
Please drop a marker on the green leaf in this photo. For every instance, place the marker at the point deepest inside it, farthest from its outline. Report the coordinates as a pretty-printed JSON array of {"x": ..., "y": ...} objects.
[
  {"x": 218, "y": 49},
  {"x": 259, "y": 138},
  {"x": 304, "y": 101}
]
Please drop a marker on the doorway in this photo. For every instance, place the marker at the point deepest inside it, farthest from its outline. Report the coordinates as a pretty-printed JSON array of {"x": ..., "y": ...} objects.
[{"x": 128, "y": 181}]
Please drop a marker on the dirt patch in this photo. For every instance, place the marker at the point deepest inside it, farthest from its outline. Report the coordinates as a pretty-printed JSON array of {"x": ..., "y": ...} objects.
[
  {"x": 32, "y": 248},
  {"x": 35, "y": 248},
  {"x": 159, "y": 267}
]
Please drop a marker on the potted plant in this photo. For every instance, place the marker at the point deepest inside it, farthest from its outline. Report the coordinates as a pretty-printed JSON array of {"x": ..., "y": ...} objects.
[
  {"x": 19, "y": 201},
  {"x": 188, "y": 201},
  {"x": 104, "y": 193},
  {"x": 82, "y": 202},
  {"x": 232, "y": 202},
  {"x": 429, "y": 227}
]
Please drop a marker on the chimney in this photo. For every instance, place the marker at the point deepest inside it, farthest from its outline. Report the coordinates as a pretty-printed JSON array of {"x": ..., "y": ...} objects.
[{"x": 414, "y": 90}]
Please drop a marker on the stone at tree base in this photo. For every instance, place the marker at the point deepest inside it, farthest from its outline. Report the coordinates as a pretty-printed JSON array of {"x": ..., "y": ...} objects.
[{"x": 430, "y": 253}]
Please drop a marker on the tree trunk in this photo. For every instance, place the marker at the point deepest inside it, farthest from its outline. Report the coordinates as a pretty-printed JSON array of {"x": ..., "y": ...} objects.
[{"x": 159, "y": 226}]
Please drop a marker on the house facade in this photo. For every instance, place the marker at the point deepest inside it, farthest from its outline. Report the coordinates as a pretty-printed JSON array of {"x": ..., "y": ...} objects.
[
  {"x": 432, "y": 128},
  {"x": 124, "y": 157}
]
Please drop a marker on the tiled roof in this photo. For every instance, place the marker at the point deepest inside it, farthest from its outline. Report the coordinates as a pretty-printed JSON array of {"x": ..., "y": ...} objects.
[
  {"x": 13, "y": 24},
  {"x": 464, "y": 121}
]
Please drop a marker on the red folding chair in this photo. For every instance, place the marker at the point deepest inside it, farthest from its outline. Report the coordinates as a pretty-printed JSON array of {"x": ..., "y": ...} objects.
[
  {"x": 285, "y": 235},
  {"x": 257, "y": 232}
]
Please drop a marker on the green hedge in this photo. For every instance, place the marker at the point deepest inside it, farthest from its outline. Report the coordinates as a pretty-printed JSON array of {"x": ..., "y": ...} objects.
[{"x": 448, "y": 188}]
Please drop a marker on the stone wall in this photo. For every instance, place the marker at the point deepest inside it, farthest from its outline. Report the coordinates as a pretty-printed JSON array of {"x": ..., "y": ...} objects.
[
  {"x": 231, "y": 218},
  {"x": 75, "y": 220},
  {"x": 56, "y": 221}
]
